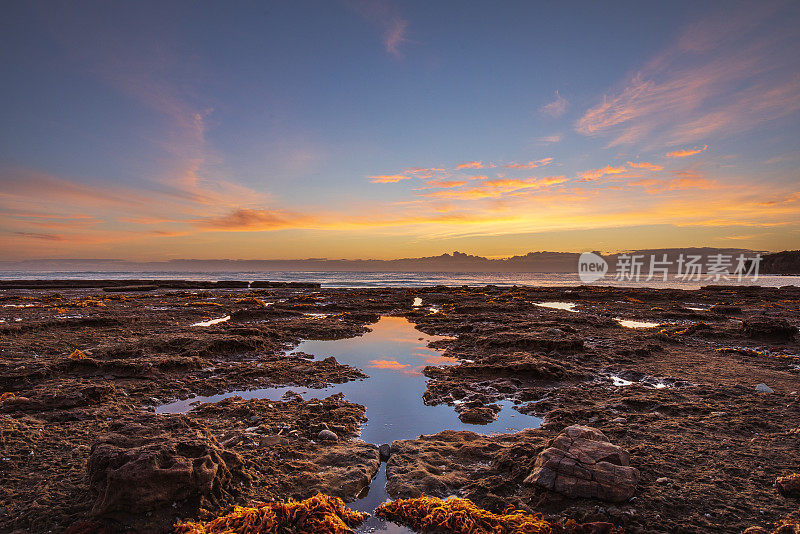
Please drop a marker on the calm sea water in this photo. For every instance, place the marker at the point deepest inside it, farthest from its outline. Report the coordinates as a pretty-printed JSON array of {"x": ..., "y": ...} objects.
[{"x": 391, "y": 279}]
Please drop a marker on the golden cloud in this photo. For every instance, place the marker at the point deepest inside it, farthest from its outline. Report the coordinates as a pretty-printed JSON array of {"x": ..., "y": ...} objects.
[
  {"x": 388, "y": 178},
  {"x": 682, "y": 153}
]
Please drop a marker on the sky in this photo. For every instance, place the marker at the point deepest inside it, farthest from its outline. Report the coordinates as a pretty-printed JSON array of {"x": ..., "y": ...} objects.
[{"x": 387, "y": 129}]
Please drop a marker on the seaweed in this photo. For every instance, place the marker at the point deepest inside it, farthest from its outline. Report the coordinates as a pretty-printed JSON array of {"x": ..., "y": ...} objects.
[
  {"x": 320, "y": 514},
  {"x": 460, "y": 516}
]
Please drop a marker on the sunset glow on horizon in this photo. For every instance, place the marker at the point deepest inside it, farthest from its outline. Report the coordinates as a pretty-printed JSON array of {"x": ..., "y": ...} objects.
[{"x": 388, "y": 129}]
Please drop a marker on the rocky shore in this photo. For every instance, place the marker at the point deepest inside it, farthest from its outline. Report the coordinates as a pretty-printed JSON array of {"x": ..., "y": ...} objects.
[{"x": 689, "y": 422}]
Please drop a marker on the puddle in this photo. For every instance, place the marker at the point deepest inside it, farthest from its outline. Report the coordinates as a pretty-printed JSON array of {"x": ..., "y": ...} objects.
[
  {"x": 213, "y": 321},
  {"x": 619, "y": 381},
  {"x": 393, "y": 354},
  {"x": 566, "y": 306},
  {"x": 629, "y": 323},
  {"x": 628, "y": 378}
]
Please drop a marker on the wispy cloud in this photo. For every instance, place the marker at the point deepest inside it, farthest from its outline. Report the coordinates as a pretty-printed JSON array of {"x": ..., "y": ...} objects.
[
  {"x": 548, "y": 139},
  {"x": 498, "y": 188},
  {"x": 470, "y": 165},
  {"x": 443, "y": 184},
  {"x": 44, "y": 237},
  {"x": 556, "y": 108},
  {"x": 257, "y": 220},
  {"x": 682, "y": 153},
  {"x": 724, "y": 75},
  {"x": 645, "y": 165},
  {"x": 388, "y": 178},
  {"x": 530, "y": 165},
  {"x": 594, "y": 174},
  {"x": 688, "y": 181},
  {"x": 386, "y": 15}
]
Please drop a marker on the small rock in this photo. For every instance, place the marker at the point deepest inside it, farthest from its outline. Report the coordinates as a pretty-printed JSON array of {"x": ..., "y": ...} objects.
[
  {"x": 763, "y": 388},
  {"x": 480, "y": 415},
  {"x": 619, "y": 420},
  {"x": 269, "y": 441},
  {"x": 662, "y": 480},
  {"x": 385, "y": 452},
  {"x": 327, "y": 435}
]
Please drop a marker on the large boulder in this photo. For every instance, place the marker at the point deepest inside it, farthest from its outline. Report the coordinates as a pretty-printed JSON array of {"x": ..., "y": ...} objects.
[
  {"x": 582, "y": 463},
  {"x": 136, "y": 473}
]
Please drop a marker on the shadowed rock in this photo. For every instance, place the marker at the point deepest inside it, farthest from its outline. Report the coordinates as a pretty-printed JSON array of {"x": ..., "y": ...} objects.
[
  {"x": 771, "y": 328},
  {"x": 135, "y": 475}
]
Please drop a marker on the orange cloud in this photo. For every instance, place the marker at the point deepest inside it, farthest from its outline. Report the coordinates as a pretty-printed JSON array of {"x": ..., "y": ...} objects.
[
  {"x": 685, "y": 180},
  {"x": 645, "y": 165},
  {"x": 530, "y": 164},
  {"x": 256, "y": 220},
  {"x": 422, "y": 172},
  {"x": 497, "y": 188},
  {"x": 446, "y": 184},
  {"x": 470, "y": 165},
  {"x": 388, "y": 178},
  {"x": 594, "y": 174},
  {"x": 686, "y": 152}
]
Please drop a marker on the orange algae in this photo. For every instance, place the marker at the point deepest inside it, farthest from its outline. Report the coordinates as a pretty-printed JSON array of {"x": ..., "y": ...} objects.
[
  {"x": 77, "y": 354},
  {"x": 6, "y": 395},
  {"x": 319, "y": 514},
  {"x": 460, "y": 516}
]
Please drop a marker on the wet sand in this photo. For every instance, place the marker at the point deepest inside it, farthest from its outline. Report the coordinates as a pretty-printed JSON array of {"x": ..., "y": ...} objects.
[{"x": 669, "y": 375}]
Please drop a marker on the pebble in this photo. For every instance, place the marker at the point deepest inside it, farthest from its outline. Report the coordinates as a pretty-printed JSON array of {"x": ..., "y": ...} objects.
[
  {"x": 662, "y": 480},
  {"x": 763, "y": 388},
  {"x": 327, "y": 435}
]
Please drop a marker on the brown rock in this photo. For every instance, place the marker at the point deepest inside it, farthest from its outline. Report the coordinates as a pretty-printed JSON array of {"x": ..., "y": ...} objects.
[
  {"x": 771, "y": 328},
  {"x": 789, "y": 486},
  {"x": 582, "y": 463},
  {"x": 479, "y": 415},
  {"x": 158, "y": 475}
]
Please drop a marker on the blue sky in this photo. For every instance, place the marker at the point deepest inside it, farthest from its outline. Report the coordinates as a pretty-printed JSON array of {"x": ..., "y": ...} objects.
[{"x": 387, "y": 129}]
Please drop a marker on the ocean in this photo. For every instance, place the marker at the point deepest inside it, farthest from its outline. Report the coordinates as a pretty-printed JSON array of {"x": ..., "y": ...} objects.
[{"x": 356, "y": 279}]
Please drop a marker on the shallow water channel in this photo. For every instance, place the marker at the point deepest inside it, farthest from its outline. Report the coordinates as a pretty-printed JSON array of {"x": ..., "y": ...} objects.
[{"x": 393, "y": 354}]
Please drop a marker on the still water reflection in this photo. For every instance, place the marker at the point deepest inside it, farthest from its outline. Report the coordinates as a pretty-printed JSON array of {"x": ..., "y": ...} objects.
[{"x": 393, "y": 354}]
